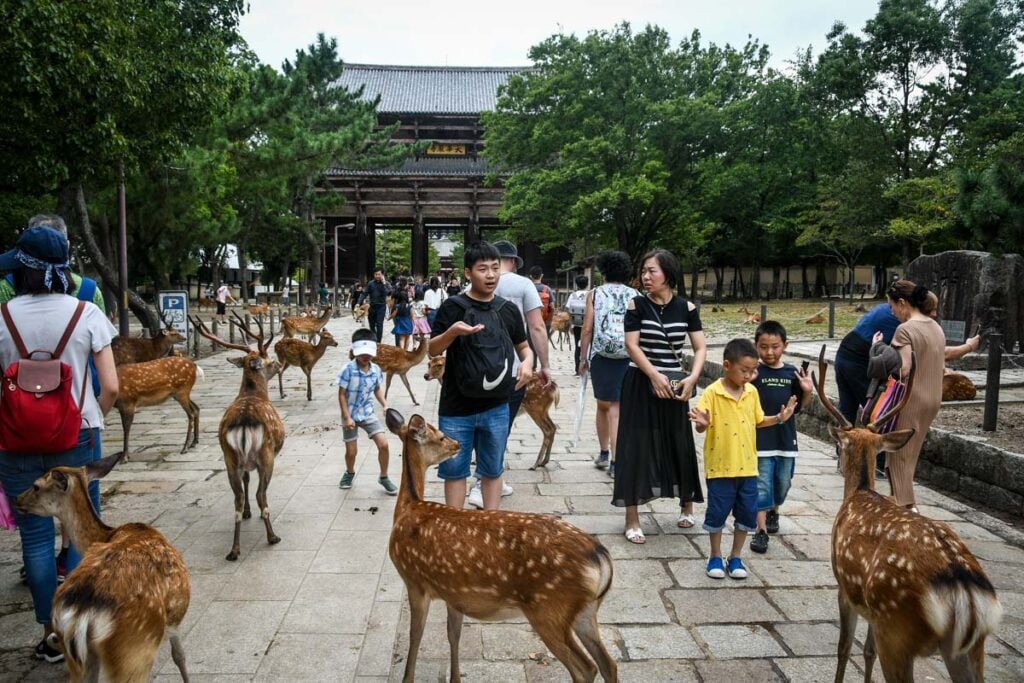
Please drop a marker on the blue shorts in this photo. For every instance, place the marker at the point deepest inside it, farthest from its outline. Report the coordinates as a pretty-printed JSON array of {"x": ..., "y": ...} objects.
[
  {"x": 737, "y": 495},
  {"x": 774, "y": 475},
  {"x": 486, "y": 433}
]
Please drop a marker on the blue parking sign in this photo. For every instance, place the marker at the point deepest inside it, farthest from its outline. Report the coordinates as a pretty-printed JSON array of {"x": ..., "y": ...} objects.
[{"x": 174, "y": 308}]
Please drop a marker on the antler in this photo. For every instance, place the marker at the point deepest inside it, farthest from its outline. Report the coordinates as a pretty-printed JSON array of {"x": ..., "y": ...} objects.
[
  {"x": 201, "y": 327},
  {"x": 819, "y": 382},
  {"x": 244, "y": 329},
  {"x": 893, "y": 412}
]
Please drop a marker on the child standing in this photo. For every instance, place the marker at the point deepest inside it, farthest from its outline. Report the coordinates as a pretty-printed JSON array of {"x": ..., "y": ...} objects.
[
  {"x": 776, "y": 383},
  {"x": 359, "y": 382},
  {"x": 420, "y": 323},
  {"x": 730, "y": 411},
  {"x": 401, "y": 313}
]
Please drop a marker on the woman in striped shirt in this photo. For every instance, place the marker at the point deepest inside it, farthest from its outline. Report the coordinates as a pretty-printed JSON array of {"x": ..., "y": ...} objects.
[{"x": 655, "y": 453}]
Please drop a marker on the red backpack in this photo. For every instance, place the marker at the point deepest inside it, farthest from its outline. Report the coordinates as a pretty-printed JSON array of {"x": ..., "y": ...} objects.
[
  {"x": 546, "y": 309},
  {"x": 38, "y": 414}
]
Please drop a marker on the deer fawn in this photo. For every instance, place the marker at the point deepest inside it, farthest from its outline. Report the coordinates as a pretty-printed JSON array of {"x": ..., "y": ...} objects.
[
  {"x": 131, "y": 587},
  {"x": 309, "y": 325},
  {"x": 537, "y": 403},
  {"x": 396, "y": 361},
  {"x": 490, "y": 564},
  {"x": 251, "y": 432},
  {"x": 912, "y": 578},
  {"x": 561, "y": 322},
  {"x": 359, "y": 312},
  {"x": 153, "y": 382},
  {"x": 301, "y": 354},
  {"x": 139, "y": 349}
]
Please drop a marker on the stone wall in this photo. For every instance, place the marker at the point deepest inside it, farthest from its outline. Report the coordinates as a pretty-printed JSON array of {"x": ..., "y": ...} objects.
[{"x": 978, "y": 288}]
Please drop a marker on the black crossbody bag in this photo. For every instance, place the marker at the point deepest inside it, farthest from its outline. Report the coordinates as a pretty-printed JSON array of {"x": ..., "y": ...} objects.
[{"x": 675, "y": 377}]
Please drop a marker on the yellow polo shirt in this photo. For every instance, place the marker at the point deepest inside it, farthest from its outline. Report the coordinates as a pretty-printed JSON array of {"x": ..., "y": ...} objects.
[{"x": 730, "y": 443}]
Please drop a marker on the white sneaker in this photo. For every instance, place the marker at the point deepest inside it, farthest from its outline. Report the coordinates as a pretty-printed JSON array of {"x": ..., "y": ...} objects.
[
  {"x": 506, "y": 490},
  {"x": 476, "y": 497}
]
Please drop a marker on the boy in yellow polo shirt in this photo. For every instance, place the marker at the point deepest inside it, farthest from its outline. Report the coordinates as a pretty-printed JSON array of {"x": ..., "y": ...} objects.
[{"x": 730, "y": 411}]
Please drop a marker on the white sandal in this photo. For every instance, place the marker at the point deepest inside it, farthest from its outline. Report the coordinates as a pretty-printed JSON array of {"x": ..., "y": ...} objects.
[
  {"x": 636, "y": 536},
  {"x": 686, "y": 520}
]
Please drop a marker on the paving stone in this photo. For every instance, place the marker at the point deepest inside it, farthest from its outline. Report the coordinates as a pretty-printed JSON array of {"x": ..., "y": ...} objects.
[
  {"x": 804, "y": 573},
  {"x": 624, "y": 606},
  {"x": 659, "y": 642},
  {"x": 738, "y": 670},
  {"x": 661, "y": 670},
  {"x": 19, "y": 631},
  {"x": 231, "y": 637},
  {"x": 733, "y": 642},
  {"x": 816, "y": 670},
  {"x": 505, "y": 641},
  {"x": 708, "y": 606},
  {"x": 272, "y": 575},
  {"x": 603, "y": 524},
  {"x": 810, "y": 639},
  {"x": 315, "y": 500},
  {"x": 375, "y": 656},
  {"x": 351, "y": 552},
  {"x": 581, "y": 489},
  {"x": 144, "y": 487},
  {"x": 1013, "y": 635},
  {"x": 996, "y": 551},
  {"x": 630, "y": 574},
  {"x": 301, "y": 658},
  {"x": 331, "y": 603},
  {"x": 808, "y": 604},
  {"x": 657, "y": 546},
  {"x": 813, "y": 547}
]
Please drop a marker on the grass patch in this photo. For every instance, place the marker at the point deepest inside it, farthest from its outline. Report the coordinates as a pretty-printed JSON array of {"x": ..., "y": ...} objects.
[{"x": 729, "y": 322}]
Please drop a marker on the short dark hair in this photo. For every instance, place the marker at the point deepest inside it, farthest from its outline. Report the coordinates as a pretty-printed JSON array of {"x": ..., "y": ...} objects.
[
  {"x": 32, "y": 281},
  {"x": 536, "y": 272},
  {"x": 480, "y": 251},
  {"x": 668, "y": 263},
  {"x": 378, "y": 269},
  {"x": 772, "y": 328},
  {"x": 582, "y": 281},
  {"x": 739, "y": 348},
  {"x": 615, "y": 266}
]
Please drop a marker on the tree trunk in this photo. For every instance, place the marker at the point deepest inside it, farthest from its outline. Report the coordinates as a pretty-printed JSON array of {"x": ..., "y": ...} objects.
[
  {"x": 776, "y": 282},
  {"x": 243, "y": 272},
  {"x": 693, "y": 277},
  {"x": 804, "y": 282},
  {"x": 743, "y": 288},
  {"x": 147, "y": 316},
  {"x": 820, "y": 281},
  {"x": 719, "y": 278}
]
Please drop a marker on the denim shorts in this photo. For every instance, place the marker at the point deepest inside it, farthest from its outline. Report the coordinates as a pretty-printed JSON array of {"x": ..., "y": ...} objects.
[
  {"x": 486, "y": 433},
  {"x": 737, "y": 495},
  {"x": 774, "y": 475},
  {"x": 371, "y": 426}
]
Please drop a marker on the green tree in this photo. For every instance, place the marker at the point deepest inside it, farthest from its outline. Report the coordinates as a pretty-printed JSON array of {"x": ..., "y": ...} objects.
[{"x": 990, "y": 203}]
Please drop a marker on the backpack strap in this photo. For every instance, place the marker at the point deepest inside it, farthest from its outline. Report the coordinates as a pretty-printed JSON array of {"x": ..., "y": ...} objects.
[
  {"x": 69, "y": 329},
  {"x": 15, "y": 335}
]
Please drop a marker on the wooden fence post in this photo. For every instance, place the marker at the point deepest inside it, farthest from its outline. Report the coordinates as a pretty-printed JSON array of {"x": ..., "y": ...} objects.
[
  {"x": 831, "y": 319},
  {"x": 995, "y": 361}
]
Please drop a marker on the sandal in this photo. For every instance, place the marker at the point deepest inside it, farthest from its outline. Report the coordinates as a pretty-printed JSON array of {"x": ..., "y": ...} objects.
[
  {"x": 636, "y": 536},
  {"x": 686, "y": 520}
]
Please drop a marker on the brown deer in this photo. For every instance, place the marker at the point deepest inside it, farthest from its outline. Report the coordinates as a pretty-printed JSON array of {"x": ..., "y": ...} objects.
[
  {"x": 490, "y": 564},
  {"x": 251, "y": 432},
  {"x": 130, "y": 589},
  {"x": 537, "y": 403},
  {"x": 956, "y": 387},
  {"x": 396, "y": 361},
  {"x": 204, "y": 302},
  {"x": 561, "y": 323},
  {"x": 818, "y": 318},
  {"x": 303, "y": 355},
  {"x": 140, "y": 349},
  {"x": 309, "y": 325},
  {"x": 359, "y": 312},
  {"x": 912, "y": 578},
  {"x": 151, "y": 383},
  {"x": 259, "y": 309}
]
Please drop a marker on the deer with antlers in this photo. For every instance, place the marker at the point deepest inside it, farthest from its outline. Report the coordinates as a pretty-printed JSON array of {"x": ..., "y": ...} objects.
[
  {"x": 153, "y": 382},
  {"x": 303, "y": 355},
  {"x": 130, "y": 589},
  {"x": 141, "y": 349},
  {"x": 537, "y": 402},
  {"x": 308, "y": 325},
  {"x": 251, "y": 432},
  {"x": 492, "y": 564},
  {"x": 912, "y": 578},
  {"x": 394, "y": 360}
]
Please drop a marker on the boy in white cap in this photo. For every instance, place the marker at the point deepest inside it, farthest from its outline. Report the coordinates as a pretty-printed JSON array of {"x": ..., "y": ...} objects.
[{"x": 359, "y": 382}]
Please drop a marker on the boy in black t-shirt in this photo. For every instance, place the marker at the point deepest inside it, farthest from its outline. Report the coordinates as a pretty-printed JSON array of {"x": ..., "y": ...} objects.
[
  {"x": 776, "y": 446},
  {"x": 476, "y": 386}
]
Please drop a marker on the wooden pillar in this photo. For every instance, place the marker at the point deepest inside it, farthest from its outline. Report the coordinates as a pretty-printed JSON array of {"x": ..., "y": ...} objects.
[
  {"x": 364, "y": 246},
  {"x": 472, "y": 232},
  {"x": 420, "y": 248}
]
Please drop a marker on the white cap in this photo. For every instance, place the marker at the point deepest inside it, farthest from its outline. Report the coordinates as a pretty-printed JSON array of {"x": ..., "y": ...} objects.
[{"x": 364, "y": 346}]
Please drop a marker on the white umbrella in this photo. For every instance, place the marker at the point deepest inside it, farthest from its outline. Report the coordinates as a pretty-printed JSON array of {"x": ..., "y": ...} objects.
[{"x": 580, "y": 401}]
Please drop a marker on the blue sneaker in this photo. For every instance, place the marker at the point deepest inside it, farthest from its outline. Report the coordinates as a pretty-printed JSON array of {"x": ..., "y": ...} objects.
[
  {"x": 736, "y": 568},
  {"x": 716, "y": 568}
]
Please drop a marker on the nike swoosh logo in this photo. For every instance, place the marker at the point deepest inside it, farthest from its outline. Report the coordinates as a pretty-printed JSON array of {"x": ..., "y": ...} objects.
[{"x": 491, "y": 385}]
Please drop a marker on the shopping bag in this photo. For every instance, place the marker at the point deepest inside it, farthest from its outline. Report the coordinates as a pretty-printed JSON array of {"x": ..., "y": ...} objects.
[
  {"x": 6, "y": 513},
  {"x": 893, "y": 394}
]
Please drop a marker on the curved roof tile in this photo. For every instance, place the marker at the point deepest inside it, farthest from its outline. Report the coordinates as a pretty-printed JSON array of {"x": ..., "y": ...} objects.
[{"x": 429, "y": 89}]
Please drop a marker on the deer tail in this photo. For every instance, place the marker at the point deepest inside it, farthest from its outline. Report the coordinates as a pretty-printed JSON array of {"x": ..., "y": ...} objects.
[
  {"x": 962, "y": 607},
  {"x": 200, "y": 375},
  {"x": 605, "y": 570},
  {"x": 555, "y": 395},
  {"x": 75, "y": 629},
  {"x": 246, "y": 441}
]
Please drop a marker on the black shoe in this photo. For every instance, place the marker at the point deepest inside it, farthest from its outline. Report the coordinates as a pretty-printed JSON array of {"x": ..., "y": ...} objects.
[
  {"x": 47, "y": 653},
  {"x": 772, "y": 522},
  {"x": 23, "y": 575},
  {"x": 62, "y": 565},
  {"x": 759, "y": 544}
]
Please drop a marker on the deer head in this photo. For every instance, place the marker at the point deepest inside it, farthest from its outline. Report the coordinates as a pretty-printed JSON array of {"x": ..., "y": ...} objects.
[
  {"x": 256, "y": 360},
  {"x": 52, "y": 493},
  {"x": 326, "y": 339},
  {"x": 435, "y": 368},
  {"x": 433, "y": 445}
]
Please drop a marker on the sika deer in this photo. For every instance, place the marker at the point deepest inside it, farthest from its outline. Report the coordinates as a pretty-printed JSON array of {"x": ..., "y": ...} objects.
[
  {"x": 302, "y": 354},
  {"x": 537, "y": 403},
  {"x": 153, "y": 382},
  {"x": 490, "y": 564},
  {"x": 561, "y": 322},
  {"x": 308, "y": 325},
  {"x": 395, "y": 361},
  {"x": 139, "y": 349},
  {"x": 912, "y": 578},
  {"x": 251, "y": 432},
  {"x": 131, "y": 587}
]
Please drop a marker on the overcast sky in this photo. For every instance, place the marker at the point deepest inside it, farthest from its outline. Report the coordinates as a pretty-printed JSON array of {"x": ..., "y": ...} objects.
[{"x": 500, "y": 33}]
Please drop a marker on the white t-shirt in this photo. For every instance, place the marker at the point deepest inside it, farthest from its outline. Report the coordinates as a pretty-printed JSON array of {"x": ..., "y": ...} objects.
[
  {"x": 433, "y": 298},
  {"x": 223, "y": 293},
  {"x": 41, "y": 319},
  {"x": 523, "y": 293}
]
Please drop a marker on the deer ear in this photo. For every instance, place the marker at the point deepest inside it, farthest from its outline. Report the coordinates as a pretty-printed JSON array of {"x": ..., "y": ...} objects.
[
  {"x": 893, "y": 441},
  {"x": 237, "y": 362},
  {"x": 59, "y": 479},
  {"x": 102, "y": 467},
  {"x": 834, "y": 431},
  {"x": 394, "y": 421},
  {"x": 417, "y": 426}
]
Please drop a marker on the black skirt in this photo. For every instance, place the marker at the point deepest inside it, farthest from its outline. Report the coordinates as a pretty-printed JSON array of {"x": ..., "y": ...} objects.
[{"x": 655, "y": 456}]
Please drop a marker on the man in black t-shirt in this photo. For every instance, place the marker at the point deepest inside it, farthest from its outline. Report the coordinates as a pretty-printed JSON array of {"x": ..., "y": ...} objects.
[
  {"x": 376, "y": 294},
  {"x": 479, "y": 416}
]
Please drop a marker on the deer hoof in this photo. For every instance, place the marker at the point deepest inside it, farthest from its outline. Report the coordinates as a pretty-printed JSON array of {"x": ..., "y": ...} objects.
[
  {"x": 233, "y": 555},
  {"x": 246, "y": 514},
  {"x": 273, "y": 540}
]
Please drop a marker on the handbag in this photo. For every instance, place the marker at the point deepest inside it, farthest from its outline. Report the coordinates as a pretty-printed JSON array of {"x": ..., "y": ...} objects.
[
  {"x": 891, "y": 396},
  {"x": 6, "y": 513},
  {"x": 675, "y": 377}
]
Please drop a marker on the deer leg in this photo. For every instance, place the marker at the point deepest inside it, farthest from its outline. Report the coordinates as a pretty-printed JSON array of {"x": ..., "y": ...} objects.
[
  {"x": 127, "y": 417},
  {"x": 186, "y": 405},
  {"x": 586, "y": 629},
  {"x": 387, "y": 384},
  {"x": 966, "y": 667},
  {"x": 897, "y": 666},
  {"x": 869, "y": 654},
  {"x": 177, "y": 653},
  {"x": 419, "y": 605},
  {"x": 240, "y": 501},
  {"x": 309, "y": 384},
  {"x": 280, "y": 379},
  {"x": 266, "y": 472},
  {"x": 558, "y": 636},
  {"x": 847, "y": 627},
  {"x": 195, "y": 418},
  {"x": 92, "y": 670},
  {"x": 247, "y": 511},
  {"x": 405, "y": 381},
  {"x": 454, "y": 634}
]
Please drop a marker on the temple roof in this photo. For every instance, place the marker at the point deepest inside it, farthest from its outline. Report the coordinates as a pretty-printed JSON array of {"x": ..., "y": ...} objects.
[
  {"x": 429, "y": 89},
  {"x": 425, "y": 166}
]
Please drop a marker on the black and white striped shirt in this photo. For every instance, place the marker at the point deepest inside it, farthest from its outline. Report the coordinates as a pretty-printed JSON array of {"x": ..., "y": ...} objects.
[{"x": 677, "y": 320}]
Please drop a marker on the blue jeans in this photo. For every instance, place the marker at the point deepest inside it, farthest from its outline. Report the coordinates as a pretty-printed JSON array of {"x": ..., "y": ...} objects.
[
  {"x": 485, "y": 432},
  {"x": 774, "y": 476},
  {"x": 18, "y": 471}
]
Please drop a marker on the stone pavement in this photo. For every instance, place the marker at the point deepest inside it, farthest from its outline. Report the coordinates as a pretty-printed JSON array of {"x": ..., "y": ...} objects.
[{"x": 326, "y": 603}]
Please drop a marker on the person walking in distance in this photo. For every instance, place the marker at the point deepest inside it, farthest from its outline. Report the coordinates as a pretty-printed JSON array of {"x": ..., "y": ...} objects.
[
  {"x": 481, "y": 335},
  {"x": 376, "y": 293},
  {"x": 223, "y": 295},
  {"x": 603, "y": 348},
  {"x": 43, "y": 317},
  {"x": 576, "y": 304}
]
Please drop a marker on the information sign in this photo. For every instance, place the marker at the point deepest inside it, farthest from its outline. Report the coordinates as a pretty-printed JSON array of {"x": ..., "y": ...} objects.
[
  {"x": 174, "y": 307},
  {"x": 955, "y": 330}
]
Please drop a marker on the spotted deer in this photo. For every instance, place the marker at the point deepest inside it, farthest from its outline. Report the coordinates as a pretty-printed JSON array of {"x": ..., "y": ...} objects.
[
  {"x": 259, "y": 309},
  {"x": 140, "y": 349},
  {"x": 151, "y": 383},
  {"x": 493, "y": 564},
  {"x": 251, "y": 432},
  {"x": 561, "y": 323},
  {"x": 397, "y": 361},
  {"x": 130, "y": 589},
  {"x": 359, "y": 312},
  {"x": 308, "y": 325},
  {"x": 303, "y": 355},
  {"x": 912, "y": 578},
  {"x": 537, "y": 402}
]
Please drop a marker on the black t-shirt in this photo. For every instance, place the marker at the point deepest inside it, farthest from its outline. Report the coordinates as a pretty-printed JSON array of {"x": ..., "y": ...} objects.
[
  {"x": 453, "y": 402},
  {"x": 774, "y": 387},
  {"x": 376, "y": 293}
]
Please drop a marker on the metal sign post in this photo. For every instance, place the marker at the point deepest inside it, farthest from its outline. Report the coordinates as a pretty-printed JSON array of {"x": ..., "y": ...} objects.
[{"x": 174, "y": 308}]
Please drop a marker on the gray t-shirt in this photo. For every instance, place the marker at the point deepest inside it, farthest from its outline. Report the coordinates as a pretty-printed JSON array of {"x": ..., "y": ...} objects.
[
  {"x": 41, "y": 319},
  {"x": 523, "y": 293}
]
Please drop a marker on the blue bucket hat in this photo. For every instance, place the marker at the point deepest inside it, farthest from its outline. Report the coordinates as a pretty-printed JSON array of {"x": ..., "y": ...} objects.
[{"x": 39, "y": 249}]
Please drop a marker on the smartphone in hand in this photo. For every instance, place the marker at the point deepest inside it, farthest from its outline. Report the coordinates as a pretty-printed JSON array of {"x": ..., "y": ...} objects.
[{"x": 806, "y": 364}]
